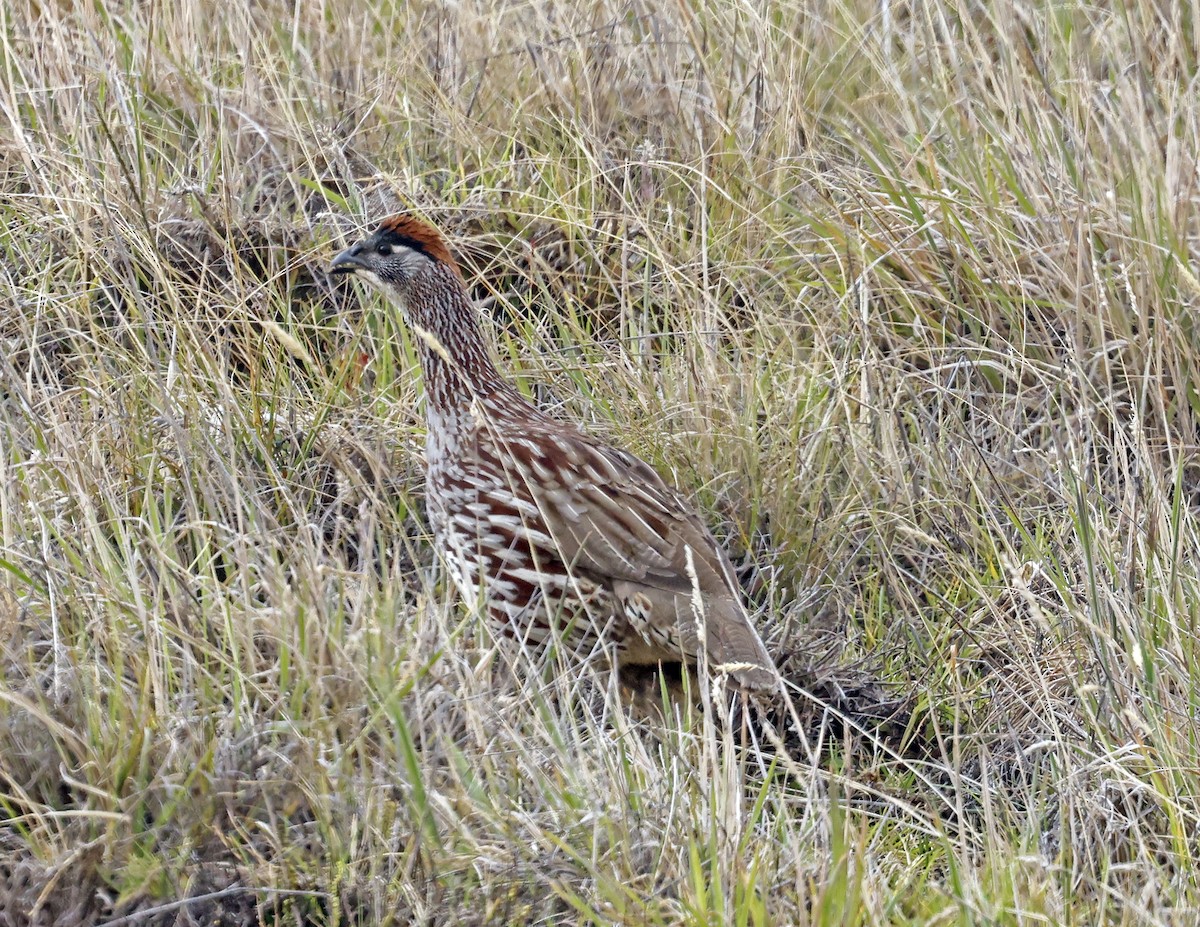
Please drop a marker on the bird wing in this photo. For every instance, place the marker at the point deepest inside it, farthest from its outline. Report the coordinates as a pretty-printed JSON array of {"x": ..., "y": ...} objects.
[
  {"x": 610, "y": 513},
  {"x": 611, "y": 516}
]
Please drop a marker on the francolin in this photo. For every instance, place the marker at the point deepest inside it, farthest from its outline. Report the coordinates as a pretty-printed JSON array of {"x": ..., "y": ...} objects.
[{"x": 559, "y": 536}]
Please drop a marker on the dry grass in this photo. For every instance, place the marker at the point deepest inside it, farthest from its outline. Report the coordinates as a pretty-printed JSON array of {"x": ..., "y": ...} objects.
[{"x": 904, "y": 294}]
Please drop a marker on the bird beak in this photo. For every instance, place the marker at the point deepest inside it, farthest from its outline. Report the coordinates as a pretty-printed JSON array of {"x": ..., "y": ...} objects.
[{"x": 348, "y": 262}]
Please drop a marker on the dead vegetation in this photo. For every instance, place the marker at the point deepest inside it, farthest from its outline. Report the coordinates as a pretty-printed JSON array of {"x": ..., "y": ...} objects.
[{"x": 904, "y": 296}]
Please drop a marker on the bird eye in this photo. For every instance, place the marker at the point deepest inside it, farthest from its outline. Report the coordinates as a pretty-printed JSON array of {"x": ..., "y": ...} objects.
[{"x": 383, "y": 248}]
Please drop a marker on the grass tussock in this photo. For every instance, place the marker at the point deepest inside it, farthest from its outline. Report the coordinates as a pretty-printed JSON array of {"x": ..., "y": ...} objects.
[{"x": 903, "y": 294}]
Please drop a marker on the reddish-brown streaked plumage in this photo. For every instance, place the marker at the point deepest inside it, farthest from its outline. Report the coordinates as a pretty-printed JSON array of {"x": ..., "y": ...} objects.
[{"x": 557, "y": 535}]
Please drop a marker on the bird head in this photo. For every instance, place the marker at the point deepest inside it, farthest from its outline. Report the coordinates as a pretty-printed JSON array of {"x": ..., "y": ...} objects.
[{"x": 395, "y": 255}]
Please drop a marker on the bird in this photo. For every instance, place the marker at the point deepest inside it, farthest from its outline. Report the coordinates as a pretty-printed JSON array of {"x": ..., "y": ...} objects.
[{"x": 558, "y": 536}]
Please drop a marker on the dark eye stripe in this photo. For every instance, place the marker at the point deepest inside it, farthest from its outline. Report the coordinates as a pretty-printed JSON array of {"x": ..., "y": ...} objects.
[{"x": 391, "y": 242}]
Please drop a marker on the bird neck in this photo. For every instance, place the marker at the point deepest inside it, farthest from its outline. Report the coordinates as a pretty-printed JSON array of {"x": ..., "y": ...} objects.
[
  {"x": 455, "y": 379},
  {"x": 455, "y": 361}
]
